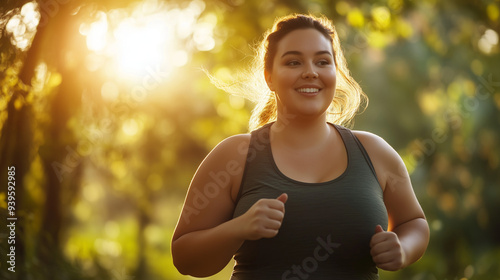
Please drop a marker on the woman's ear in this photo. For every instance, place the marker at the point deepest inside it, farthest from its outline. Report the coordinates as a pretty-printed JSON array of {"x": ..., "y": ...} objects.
[{"x": 267, "y": 76}]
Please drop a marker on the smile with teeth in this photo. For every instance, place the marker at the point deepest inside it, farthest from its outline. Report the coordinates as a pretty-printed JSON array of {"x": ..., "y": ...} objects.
[{"x": 308, "y": 90}]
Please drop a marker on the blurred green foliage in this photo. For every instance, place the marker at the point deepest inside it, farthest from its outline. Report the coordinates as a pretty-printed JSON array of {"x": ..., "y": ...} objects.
[{"x": 103, "y": 159}]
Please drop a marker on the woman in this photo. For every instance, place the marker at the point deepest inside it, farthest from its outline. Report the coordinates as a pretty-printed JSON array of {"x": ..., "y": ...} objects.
[{"x": 350, "y": 206}]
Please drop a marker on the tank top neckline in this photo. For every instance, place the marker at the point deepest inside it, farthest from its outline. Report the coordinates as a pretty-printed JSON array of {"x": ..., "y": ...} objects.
[{"x": 281, "y": 174}]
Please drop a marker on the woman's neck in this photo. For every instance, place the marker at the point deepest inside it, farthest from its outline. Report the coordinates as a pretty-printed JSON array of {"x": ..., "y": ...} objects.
[{"x": 299, "y": 132}]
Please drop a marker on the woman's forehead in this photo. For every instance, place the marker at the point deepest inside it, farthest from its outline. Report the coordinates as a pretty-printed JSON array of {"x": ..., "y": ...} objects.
[{"x": 304, "y": 41}]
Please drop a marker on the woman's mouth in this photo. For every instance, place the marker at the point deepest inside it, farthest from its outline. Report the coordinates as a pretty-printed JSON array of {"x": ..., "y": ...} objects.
[{"x": 308, "y": 91}]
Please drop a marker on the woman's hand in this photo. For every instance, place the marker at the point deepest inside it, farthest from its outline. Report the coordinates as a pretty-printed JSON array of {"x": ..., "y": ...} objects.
[
  {"x": 386, "y": 250},
  {"x": 264, "y": 218}
]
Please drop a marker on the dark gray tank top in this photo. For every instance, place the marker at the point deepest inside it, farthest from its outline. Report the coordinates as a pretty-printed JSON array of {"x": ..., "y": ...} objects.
[{"x": 327, "y": 227}]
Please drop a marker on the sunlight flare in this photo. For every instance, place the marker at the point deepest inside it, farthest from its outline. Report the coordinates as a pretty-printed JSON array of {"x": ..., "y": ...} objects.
[{"x": 153, "y": 35}]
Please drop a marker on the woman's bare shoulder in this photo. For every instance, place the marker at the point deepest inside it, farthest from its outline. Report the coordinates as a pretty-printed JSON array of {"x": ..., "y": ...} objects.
[
  {"x": 235, "y": 146},
  {"x": 375, "y": 144},
  {"x": 228, "y": 157},
  {"x": 230, "y": 153},
  {"x": 387, "y": 162}
]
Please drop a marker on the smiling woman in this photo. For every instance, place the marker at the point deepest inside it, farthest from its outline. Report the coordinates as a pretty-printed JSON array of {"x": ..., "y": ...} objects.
[
  {"x": 151, "y": 36},
  {"x": 305, "y": 66},
  {"x": 307, "y": 195}
]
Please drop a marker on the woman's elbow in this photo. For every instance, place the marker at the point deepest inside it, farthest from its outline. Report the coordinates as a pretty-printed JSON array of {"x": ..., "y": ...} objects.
[
  {"x": 185, "y": 269},
  {"x": 181, "y": 268},
  {"x": 179, "y": 261},
  {"x": 186, "y": 265}
]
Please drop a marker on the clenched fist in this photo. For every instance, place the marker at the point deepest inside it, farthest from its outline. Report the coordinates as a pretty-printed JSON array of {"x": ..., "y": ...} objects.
[
  {"x": 264, "y": 218},
  {"x": 386, "y": 250}
]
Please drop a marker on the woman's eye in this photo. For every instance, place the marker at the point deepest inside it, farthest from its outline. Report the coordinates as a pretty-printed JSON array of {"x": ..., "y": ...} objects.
[
  {"x": 292, "y": 63},
  {"x": 324, "y": 62}
]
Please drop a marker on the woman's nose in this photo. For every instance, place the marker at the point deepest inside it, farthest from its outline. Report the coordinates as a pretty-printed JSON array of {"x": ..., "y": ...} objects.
[{"x": 309, "y": 73}]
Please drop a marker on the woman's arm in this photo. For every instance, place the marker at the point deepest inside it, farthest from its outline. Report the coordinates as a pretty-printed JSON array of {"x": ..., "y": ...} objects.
[
  {"x": 205, "y": 252},
  {"x": 206, "y": 236},
  {"x": 408, "y": 235}
]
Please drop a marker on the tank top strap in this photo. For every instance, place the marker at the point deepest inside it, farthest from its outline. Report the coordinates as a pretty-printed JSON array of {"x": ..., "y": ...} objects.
[
  {"x": 257, "y": 160},
  {"x": 260, "y": 144},
  {"x": 355, "y": 149}
]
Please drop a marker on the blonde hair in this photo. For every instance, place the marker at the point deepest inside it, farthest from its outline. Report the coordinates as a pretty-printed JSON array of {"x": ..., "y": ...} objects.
[{"x": 349, "y": 96}]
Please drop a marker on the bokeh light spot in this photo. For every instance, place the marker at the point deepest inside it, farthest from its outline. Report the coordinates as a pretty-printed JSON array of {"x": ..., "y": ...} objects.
[{"x": 488, "y": 41}]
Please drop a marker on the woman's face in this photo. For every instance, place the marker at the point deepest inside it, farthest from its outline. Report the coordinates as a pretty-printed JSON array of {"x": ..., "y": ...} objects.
[{"x": 303, "y": 74}]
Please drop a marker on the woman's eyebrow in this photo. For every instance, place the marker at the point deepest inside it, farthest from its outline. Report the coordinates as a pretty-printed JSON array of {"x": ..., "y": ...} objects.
[
  {"x": 299, "y": 53},
  {"x": 324, "y": 52}
]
